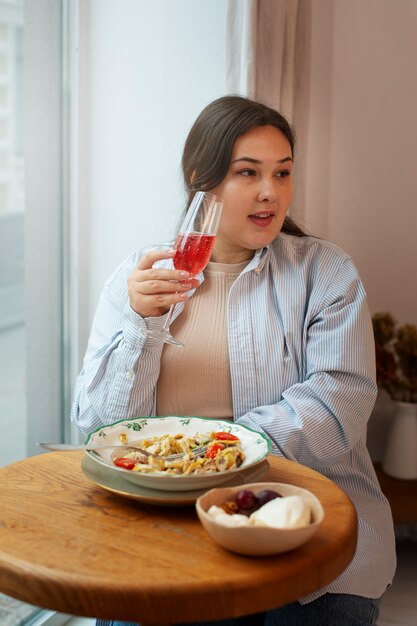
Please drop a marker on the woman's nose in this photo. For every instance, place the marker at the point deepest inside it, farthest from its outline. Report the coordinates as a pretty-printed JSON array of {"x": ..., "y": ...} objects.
[{"x": 267, "y": 191}]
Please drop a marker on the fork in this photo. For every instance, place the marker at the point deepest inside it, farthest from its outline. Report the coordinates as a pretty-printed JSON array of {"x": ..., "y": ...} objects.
[{"x": 69, "y": 447}]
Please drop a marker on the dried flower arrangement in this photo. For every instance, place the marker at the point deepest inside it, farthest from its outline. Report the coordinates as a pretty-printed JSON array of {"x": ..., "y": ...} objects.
[{"x": 396, "y": 357}]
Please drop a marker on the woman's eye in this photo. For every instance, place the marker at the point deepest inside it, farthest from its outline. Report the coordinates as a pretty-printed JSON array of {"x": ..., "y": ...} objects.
[
  {"x": 247, "y": 172},
  {"x": 283, "y": 174}
]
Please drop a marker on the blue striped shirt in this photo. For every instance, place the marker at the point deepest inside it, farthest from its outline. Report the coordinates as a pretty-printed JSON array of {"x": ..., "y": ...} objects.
[{"x": 302, "y": 367}]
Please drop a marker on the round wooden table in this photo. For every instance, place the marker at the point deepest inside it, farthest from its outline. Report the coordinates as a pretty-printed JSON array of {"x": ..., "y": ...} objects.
[{"x": 69, "y": 545}]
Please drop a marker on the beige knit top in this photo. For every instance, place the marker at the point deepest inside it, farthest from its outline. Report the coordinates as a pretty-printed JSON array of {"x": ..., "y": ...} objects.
[{"x": 195, "y": 380}]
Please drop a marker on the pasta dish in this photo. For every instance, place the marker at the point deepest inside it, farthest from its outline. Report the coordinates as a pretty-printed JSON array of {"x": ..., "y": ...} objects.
[{"x": 222, "y": 451}]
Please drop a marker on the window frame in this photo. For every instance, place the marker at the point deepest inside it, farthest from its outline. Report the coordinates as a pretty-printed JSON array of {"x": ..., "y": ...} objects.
[
  {"x": 51, "y": 227},
  {"x": 51, "y": 130}
]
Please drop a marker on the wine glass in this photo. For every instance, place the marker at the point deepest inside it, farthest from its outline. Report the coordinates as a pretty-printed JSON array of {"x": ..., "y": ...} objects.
[{"x": 194, "y": 245}]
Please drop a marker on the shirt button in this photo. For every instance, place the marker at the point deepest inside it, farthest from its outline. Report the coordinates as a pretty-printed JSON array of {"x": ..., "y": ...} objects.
[{"x": 129, "y": 375}]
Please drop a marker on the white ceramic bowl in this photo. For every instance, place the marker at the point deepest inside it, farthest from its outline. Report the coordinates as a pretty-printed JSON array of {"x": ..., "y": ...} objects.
[
  {"x": 255, "y": 446},
  {"x": 258, "y": 540}
]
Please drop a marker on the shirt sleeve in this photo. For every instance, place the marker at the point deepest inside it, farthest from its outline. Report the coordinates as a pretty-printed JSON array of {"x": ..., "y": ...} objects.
[
  {"x": 319, "y": 419},
  {"x": 121, "y": 364}
]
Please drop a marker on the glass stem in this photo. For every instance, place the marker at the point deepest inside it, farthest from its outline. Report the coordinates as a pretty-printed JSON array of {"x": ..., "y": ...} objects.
[{"x": 169, "y": 318}]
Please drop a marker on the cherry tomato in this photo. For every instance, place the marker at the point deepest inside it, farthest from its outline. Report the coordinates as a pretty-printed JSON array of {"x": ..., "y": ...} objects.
[
  {"x": 125, "y": 462},
  {"x": 214, "y": 450},
  {"x": 226, "y": 436}
]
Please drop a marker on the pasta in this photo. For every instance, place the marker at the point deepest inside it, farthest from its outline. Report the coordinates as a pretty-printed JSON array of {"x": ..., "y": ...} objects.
[{"x": 223, "y": 452}]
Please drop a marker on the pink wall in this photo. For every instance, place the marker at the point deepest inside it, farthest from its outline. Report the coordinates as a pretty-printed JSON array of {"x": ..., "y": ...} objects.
[{"x": 362, "y": 143}]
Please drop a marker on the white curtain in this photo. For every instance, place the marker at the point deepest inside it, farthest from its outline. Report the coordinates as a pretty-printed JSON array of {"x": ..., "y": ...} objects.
[{"x": 267, "y": 58}]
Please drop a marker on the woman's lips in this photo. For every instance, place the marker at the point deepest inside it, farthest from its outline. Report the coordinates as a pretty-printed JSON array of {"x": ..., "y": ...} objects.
[{"x": 263, "y": 220}]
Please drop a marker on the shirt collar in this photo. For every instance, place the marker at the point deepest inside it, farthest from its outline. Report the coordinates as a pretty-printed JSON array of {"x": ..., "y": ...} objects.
[{"x": 258, "y": 261}]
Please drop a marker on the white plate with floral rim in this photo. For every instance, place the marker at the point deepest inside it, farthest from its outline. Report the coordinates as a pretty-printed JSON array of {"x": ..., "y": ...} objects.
[
  {"x": 104, "y": 477},
  {"x": 255, "y": 445}
]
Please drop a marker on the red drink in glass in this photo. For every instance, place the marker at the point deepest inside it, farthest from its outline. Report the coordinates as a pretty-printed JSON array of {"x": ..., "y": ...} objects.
[{"x": 193, "y": 251}]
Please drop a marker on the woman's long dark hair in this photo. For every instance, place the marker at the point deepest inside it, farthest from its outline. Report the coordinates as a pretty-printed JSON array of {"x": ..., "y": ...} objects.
[{"x": 208, "y": 147}]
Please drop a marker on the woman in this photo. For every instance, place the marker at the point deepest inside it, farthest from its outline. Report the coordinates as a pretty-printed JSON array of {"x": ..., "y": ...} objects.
[{"x": 282, "y": 321}]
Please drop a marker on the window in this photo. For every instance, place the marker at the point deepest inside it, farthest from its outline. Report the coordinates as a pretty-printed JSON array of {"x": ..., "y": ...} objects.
[
  {"x": 121, "y": 110},
  {"x": 12, "y": 215},
  {"x": 29, "y": 355}
]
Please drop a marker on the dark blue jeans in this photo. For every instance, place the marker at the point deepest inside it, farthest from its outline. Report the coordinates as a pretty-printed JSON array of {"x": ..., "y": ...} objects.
[{"x": 328, "y": 610}]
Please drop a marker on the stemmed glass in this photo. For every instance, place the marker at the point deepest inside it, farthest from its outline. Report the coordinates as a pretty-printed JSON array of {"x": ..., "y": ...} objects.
[{"x": 194, "y": 244}]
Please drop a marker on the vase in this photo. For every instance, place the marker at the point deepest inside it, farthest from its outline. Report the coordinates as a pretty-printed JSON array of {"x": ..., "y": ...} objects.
[{"x": 400, "y": 457}]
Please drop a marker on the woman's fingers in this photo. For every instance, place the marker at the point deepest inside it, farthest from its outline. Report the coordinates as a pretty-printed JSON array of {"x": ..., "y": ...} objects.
[
  {"x": 147, "y": 261},
  {"x": 154, "y": 286},
  {"x": 152, "y": 290},
  {"x": 152, "y": 256},
  {"x": 153, "y": 298},
  {"x": 155, "y": 305},
  {"x": 161, "y": 274}
]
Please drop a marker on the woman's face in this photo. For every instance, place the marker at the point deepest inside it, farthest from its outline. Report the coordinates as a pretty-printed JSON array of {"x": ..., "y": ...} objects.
[{"x": 256, "y": 192}]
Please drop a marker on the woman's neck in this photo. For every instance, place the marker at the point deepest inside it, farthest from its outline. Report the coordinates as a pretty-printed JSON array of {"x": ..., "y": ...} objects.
[{"x": 228, "y": 255}]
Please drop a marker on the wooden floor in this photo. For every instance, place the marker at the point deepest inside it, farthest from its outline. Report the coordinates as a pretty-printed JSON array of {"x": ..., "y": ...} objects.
[{"x": 399, "y": 605}]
